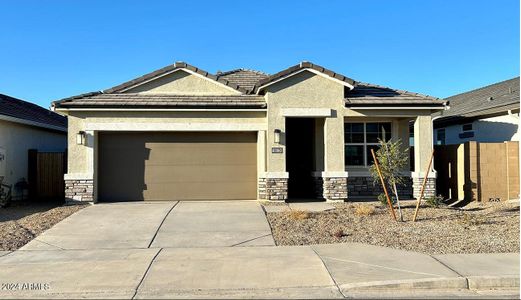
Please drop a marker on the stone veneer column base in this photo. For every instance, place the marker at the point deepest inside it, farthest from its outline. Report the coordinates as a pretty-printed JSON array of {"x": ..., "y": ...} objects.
[
  {"x": 81, "y": 190},
  {"x": 335, "y": 188},
  {"x": 430, "y": 187},
  {"x": 273, "y": 189}
]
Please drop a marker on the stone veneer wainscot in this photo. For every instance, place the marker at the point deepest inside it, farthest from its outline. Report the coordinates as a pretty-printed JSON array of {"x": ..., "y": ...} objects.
[
  {"x": 273, "y": 189},
  {"x": 79, "y": 190}
]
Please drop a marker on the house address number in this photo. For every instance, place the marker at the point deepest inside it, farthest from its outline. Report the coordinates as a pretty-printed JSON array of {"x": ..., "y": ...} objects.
[{"x": 277, "y": 150}]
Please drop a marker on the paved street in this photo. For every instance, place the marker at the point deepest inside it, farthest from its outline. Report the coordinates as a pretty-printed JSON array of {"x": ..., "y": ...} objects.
[{"x": 138, "y": 250}]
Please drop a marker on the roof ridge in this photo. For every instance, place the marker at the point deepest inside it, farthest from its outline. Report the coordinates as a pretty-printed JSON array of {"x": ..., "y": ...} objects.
[
  {"x": 224, "y": 73},
  {"x": 484, "y": 87}
]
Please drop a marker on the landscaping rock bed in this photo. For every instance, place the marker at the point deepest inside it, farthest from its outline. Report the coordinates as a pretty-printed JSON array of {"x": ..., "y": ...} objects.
[
  {"x": 478, "y": 228},
  {"x": 23, "y": 221}
]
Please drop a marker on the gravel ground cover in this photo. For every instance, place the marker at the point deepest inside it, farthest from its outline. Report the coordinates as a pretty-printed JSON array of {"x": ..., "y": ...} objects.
[
  {"x": 23, "y": 221},
  {"x": 477, "y": 228}
]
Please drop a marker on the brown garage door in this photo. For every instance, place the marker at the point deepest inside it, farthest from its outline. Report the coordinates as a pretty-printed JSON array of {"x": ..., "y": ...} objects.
[{"x": 137, "y": 166}]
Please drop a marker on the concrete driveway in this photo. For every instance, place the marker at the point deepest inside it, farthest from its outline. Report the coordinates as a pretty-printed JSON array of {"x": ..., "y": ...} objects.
[
  {"x": 159, "y": 225},
  {"x": 225, "y": 250}
]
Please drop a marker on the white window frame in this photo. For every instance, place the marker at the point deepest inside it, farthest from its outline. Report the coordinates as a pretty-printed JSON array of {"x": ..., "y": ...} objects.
[{"x": 365, "y": 143}]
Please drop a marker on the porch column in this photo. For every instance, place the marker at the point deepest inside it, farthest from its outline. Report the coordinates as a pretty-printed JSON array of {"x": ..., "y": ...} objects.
[
  {"x": 334, "y": 176},
  {"x": 273, "y": 181},
  {"x": 423, "y": 145},
  {"x": 81, "y": 186}
]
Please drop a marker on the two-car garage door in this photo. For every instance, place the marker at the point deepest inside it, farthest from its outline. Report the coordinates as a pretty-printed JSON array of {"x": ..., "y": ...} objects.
[{"x": 136, "y": 166}]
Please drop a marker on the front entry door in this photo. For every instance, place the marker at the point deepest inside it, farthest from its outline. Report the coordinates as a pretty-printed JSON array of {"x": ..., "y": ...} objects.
[{"x": 300, "y": 157}]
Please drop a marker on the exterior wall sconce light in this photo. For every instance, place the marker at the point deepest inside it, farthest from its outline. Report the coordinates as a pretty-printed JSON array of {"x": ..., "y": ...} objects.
[
  {"x": 80, "y": 138},
  {"x": 276, "y": 134}
]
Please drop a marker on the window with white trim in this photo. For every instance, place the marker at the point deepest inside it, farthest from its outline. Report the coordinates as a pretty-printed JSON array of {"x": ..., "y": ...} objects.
[
  {"x": 467, "y": 131},
  {"x": 360, "y": 138}
]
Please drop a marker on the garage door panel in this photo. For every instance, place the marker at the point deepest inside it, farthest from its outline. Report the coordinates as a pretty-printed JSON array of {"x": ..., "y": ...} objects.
[
  {"x": 193, "y": 191},
  {"x": 177, "y": 166},
  {"x": 199, "y": 154},
  {"x": 207, "y": 173}
]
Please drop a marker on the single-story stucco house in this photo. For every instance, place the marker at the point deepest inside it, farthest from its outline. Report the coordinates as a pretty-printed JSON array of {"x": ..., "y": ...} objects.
[
  {"x": 181, "y": 133},
  {"x": 489, "y": 114},
  {"x": 24, "y": 126}
]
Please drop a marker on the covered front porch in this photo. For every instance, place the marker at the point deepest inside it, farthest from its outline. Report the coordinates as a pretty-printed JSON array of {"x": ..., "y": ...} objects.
[{"x": 311, "y": 172}]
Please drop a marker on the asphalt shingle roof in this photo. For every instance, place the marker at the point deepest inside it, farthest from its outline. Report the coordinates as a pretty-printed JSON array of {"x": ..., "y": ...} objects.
[
  {"x": 24, "y": 110},
  {"x": 494, "y": 98}
]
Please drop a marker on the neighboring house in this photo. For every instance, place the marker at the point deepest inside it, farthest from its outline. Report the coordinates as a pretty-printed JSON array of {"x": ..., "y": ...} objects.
[
  {"x": 25, "y": 126},
  {"x": 183, "y": 133},
  {"x": 488, "y": 114}
]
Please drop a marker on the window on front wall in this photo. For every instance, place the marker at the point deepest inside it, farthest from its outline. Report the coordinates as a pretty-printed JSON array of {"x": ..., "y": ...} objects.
[
  {"x": 467, "y": 131},
  {"x": 360, "y": 138},
  {"x": 466, "y": 127},
  {"x": 440, "y": 137}
]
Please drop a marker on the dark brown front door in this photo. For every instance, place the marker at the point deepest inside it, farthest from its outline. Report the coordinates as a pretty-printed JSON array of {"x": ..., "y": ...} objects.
[{"x": 177, "y": 166}]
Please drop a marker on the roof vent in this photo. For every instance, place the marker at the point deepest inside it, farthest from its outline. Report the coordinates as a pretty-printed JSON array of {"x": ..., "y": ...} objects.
[
  {"x": 490, "y": 98},
  {"x": 510, "y": 90}
]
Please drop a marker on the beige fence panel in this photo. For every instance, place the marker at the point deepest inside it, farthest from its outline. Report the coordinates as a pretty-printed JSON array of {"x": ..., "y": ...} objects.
[{"x": 478, "y": 171}]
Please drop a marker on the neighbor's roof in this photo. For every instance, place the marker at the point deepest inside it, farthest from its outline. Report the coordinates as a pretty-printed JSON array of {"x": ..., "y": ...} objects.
[
  {"x": 492, "y": 99},
  {"x": 244, "y": 78},
  {"x": 102, "y": 100},
  {"x": 366, "y": 94},
  {"x": 21, "y": 111}
]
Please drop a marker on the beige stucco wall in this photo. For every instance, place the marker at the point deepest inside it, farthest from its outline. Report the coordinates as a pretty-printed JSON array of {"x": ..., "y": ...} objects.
[
  {"x": 81, "y": 157},
  {"x": 16, "y": 139},
  {"x": 183, "y": 83},
  {"x": 307, "y": 90},
  {"x": 423, "y": 145}
]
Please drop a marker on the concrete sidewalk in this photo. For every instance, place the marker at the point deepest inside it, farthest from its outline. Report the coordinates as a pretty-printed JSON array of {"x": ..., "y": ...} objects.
[{"x": 320, "y": 271}]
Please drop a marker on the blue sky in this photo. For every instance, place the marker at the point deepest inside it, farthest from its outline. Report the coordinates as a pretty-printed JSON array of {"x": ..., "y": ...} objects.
[{"x": 55, "y": 49}]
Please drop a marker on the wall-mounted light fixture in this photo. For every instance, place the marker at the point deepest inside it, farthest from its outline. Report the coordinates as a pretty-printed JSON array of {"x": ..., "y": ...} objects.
[
  {"x": 276, "y": 134},
  {"x": 80, "y": 138}
]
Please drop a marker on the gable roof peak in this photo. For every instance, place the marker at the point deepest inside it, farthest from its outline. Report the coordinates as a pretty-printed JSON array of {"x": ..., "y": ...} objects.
[
  {"x": 168, "y": 69},
  {"x": 303, "y": 65}
]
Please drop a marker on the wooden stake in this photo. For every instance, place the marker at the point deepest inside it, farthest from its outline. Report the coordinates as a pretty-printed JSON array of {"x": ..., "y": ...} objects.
[
  {"x": 423, "y": 188},
  {"x": 391, "y": 208}
]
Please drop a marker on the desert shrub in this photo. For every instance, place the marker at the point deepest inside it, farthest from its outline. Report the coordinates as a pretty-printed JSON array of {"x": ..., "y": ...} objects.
[
  {"x": 339, "y": 233},
  {"x": 364, "y": 210},
  {"x": 472, "y": 220},
  {"x": 434, "y": 201},
  {"x": 296, "y": 214},
  {"x": 383, "y": 200}
]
